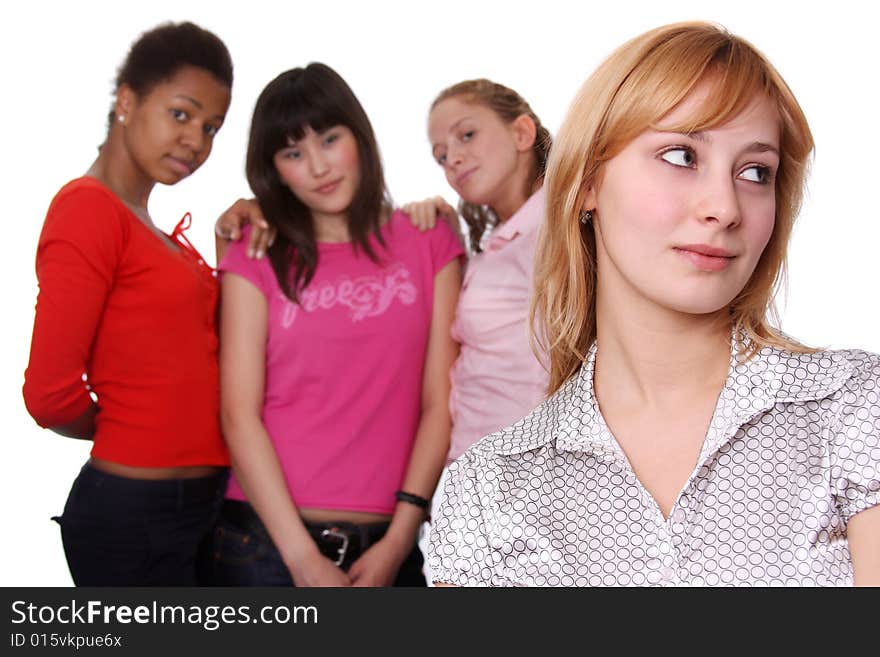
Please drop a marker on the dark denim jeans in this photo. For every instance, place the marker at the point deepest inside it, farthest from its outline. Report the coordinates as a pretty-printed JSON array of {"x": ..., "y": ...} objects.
[
  {"x": 241, "y": 553},
  {"x": 132, "y": 532}
]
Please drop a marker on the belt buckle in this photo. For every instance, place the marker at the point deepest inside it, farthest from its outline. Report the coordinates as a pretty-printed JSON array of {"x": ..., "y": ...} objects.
[{"x": 334, "y": 532}]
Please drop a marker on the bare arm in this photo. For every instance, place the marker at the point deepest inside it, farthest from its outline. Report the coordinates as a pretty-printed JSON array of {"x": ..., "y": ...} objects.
[
  {"x": 243, "y": 329},
  {"x": 378, "y": 566},
  {"x": 863, "y": 534}
]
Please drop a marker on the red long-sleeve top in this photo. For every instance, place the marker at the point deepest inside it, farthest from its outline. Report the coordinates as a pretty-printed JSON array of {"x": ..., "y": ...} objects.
[{"x": 123, "y": 314}]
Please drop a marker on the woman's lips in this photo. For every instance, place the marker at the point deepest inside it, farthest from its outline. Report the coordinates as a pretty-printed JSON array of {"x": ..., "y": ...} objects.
[
  {"x": 184, "y": 167},
  {"x": 329, "y": 188},
  {"x": 705, "y": 257},
  {"x": 460, "y": 180}
]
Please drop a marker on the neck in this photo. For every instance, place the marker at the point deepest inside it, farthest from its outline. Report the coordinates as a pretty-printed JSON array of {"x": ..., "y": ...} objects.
[
  {"x": 655, "y": 356},
  {"x": 115, "y": 168},
  {"x": 516, "y": 192},
  {"x": 331, "y": 228}
]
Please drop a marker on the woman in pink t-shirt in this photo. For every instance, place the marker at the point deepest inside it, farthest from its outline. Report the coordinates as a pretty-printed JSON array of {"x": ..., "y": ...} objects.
[
  {"x": 493, "y": 150},
  {"x": 334, "y": 356}
]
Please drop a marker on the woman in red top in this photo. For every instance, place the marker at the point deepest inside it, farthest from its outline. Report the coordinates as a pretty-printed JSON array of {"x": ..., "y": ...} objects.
[{"x": 124, "y": 349}]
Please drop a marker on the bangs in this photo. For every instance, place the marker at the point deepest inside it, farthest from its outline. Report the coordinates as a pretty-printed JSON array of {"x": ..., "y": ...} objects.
[
  {"x": 729, "y": 91},
  {"x": 734, "y": 73},
  {"x": 300, "y": 105}
]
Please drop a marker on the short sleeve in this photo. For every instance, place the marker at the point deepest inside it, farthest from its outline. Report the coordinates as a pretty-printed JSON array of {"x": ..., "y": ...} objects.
[
  {"x": 258, "y": 272},
  {"x": 855, "y": 452},
  {"x": 81, "y": 244},
  {"x": 460, "y": 550},
  {"x": 445, "y": 245}
]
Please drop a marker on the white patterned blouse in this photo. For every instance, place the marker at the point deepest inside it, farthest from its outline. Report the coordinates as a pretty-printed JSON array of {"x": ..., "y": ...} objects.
[{"x": 791, "y": 454}]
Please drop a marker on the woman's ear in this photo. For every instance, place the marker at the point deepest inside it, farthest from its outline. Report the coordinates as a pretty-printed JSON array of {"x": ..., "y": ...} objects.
[
  {"x": 588, "y": 199},
  {"x": 524, "y": 132},
  {"x": 126, "y": 99}
]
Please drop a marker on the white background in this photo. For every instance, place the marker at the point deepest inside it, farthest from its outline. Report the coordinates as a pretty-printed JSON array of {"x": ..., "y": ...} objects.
[{"x": 58, "y": 61}]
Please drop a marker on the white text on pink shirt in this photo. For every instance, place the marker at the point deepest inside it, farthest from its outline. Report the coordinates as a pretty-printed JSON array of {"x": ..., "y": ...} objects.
[{"x": 365, "y": 296}]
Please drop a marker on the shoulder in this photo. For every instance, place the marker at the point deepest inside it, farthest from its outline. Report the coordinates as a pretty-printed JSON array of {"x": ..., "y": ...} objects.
[
  {"x": 864, "y": 365},
  {"x": 861, "y": 387},
  {"x": 236, "y": 253},
  {"x": 437, "y": 245},
  {"x": 400, "y": 227},
  {"x": 823, "y": 373},
  {"x": 85, "y": 202},
  {"x": 400, "y": 224},
  {"x": 89, "y": 218},
  {"x": 258, "y": 272},
  {"x": 845, "y": 382}
]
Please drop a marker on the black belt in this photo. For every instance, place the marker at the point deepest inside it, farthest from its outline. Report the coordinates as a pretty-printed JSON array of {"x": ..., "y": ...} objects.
[{"x": 341, "y": 542}]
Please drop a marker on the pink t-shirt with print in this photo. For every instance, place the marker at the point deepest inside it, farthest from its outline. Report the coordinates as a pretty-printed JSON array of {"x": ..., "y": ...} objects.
[{"x": 344, "y": 367}]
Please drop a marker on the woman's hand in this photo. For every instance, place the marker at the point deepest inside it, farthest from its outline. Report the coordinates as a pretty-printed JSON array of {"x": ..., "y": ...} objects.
[
  {"x": 314, "y": 569},
  {"x": 424, "y": 214},
  {"x": 378, "y": 566},
  {"x": 229, "y": 225}
]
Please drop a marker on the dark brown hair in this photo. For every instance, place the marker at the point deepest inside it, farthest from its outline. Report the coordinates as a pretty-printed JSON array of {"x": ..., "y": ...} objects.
[
  {"x": 509, "y": 106},
  {"x": 160, "y": 53},
  {"x": 313, "y": 97}
]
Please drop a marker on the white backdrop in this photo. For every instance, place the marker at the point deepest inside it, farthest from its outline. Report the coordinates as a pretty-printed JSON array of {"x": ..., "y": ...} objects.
[{"x": 59, "y": 58}]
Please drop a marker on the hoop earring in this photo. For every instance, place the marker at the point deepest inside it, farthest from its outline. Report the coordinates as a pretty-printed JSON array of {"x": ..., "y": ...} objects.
[{"x": 586, "y": 217}]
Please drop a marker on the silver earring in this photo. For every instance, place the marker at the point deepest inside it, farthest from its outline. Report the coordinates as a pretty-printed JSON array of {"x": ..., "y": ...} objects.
[{"x": 586, "y": 217}]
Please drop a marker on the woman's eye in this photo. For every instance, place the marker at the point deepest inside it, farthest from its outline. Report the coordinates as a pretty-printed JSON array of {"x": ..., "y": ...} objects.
[
  {"x": 680, "y": 157},
  {"x": 756, "y": 173},
  {"x": 179, "y": 115},
  {"x": 211, "y": 130},
  {"x": 467, "y": 136},
  {"x": 441, "y": 160},
  {"x": 329, "y": 139},
  {"x": 291, "y": 155}
]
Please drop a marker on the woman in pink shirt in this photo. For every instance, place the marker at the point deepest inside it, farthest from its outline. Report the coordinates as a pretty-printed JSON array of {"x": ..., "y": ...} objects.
[
  {"x": 334, "y": 354},
  {"x": 493, "y": 150}
]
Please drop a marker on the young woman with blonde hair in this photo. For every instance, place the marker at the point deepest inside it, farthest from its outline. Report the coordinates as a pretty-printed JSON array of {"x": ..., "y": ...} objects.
[
  {"x": 686, "y": 440},
  {"x": 493, "y": 150}
]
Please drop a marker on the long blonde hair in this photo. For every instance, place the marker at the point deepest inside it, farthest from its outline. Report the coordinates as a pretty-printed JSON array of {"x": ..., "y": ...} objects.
[
  {"x": 509, "y": 106},
  {"x": 640, "y": 83}
]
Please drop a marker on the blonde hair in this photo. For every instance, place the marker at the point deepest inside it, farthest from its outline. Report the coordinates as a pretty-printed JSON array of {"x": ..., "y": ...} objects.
[
  {"x": 636, "y": 86},
  {"x": 509, "y": 106}
]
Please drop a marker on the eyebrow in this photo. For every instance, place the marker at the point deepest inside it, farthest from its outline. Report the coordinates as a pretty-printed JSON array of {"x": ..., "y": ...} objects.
[
  {"x": 190, "y": 99},
  {"x": 754, "y": 147},
  {"x": 198, "y": 104}
]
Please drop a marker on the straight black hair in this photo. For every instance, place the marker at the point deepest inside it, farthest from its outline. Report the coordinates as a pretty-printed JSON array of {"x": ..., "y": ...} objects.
[{"x": 313, "y": 97}]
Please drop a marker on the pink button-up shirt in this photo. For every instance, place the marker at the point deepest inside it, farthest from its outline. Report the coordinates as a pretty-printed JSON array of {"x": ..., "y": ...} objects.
[{"x": 497, "y": 379}]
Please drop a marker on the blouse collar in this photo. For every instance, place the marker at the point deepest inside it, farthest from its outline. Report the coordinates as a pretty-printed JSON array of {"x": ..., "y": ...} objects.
[{"x": 572, "y": 418}]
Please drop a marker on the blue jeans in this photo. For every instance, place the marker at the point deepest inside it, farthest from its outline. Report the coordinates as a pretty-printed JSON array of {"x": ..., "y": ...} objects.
[
  {"x": 241, "y": 553},
  {"x": 132, "y": 532}
]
